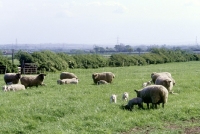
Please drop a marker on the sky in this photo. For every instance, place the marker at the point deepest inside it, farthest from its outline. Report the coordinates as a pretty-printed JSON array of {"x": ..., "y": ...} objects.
[{"x": 100, "y": 22}]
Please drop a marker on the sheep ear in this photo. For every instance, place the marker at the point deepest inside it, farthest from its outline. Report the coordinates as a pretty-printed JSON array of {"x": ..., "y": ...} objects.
[{"x": 136, "y": 91}]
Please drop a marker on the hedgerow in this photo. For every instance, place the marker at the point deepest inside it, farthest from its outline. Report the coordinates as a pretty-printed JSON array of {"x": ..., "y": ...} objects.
[{"x": 51, "y": 61}]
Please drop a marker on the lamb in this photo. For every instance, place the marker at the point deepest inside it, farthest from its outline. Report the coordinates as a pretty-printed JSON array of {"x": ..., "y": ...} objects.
[
  {"x": 29, "y": 81},
  {"x": 61, "y": 81},
  {"x": 101, "y": 82},
  {"x": 113, "y": 98},
  {"x": 154, "y": 94},
  {"x": 67, "y": 75},
  {"x": 107, "y": 76},
  {"x": 68, "y": 81},
  {"x": 146, "y": 84},
  {"x": 12, "y": 77},
  {"x": 165, "y": 81},
  {"x": 135, "y": 101},
  {"x": 155, "y": 75},
  {"x": 13, "y": 87},
  {"x": 125, "y": 96}
]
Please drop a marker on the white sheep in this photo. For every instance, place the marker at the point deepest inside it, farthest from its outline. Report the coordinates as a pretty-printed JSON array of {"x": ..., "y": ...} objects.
[
  {"x": 12, "y": 77},
  {"x": 13, "y": 87},
  {"x": 166, "y": 82},
  {"x": 107, "y": 76},
  {"x": 36, "y": 80},
  {"x": 61, "y": 81},
  {"x": 102, "y": 82},
  {"x": 155, "y": 75},
  {"x": 113, "y": 98},
  {"x": 67, "y": 75},
  {"x": 154, "y": 94},
  {"x": 146, "y": 84},
  {"x": 125, "y": 96},
  {"x": 68, "y": 81}
]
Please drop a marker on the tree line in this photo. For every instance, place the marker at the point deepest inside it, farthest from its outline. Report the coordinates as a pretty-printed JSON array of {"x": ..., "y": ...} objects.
[{"x": 52, "y": 62}]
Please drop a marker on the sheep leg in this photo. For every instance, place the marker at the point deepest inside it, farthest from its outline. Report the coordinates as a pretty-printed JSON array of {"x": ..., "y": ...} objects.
[
  {"x": 148, "y": 105},
  {"x": 162, "y": 105}
]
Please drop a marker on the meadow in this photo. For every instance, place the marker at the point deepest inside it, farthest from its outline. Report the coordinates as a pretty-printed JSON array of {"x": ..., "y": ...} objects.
[{"x": 86, "y": 108}]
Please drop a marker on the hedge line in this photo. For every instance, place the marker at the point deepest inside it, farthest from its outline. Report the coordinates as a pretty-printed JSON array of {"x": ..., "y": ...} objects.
[{"x": 51, "y": 61}]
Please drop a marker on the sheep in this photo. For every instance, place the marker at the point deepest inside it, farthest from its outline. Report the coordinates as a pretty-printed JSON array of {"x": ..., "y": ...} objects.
[
  {"x": 155, "y": 75},
  {"x": 29, "y": 81},
  {"x": 102, "y": 82},
  {"x": 146, "y": 84},
  {"x": 135, "y": 101},
  {"x": 12, "y": 77},
  {"x": 67, "y": 75},
  {"x": 125, "y": 96},
  {"x": 13, "y": 87},
  {"x": 61, "y": 81},
  {"x": 107, "y": 76},
  {"x": 70, "y": 81},
  {"x": 113, "y": 98},
  {"x": 154, "y": 94},
  {"x": 165, "y": 81}
]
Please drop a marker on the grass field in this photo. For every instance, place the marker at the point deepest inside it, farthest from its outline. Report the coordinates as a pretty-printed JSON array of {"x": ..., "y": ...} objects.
[{"x": 85, "y": 108}]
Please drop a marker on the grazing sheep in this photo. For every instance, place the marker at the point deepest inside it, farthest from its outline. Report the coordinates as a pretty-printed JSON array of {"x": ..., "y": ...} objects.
[
  {"x": 154, "y": 94},
  {"x": 113, "y": 98},
  {"x": 155, "y": 75},
  {"x": 13, "y": 87},
  {"x": 125, "y": 96},
  {"x": 29, "y": 81},
  {"x": 165, "y": 81},
  {"x": 67, "y": 75},
  {"x": 12, "y": 77},
  {"x": 146, "y": 84},
  {"x": 135, "y": 101},
  {"x": 107, "y": 76},
  {"x": 102, "y": 82}
]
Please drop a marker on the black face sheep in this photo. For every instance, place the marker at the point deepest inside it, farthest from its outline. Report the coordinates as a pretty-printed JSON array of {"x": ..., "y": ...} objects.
[
  {"x": 165, "y": 81},
  {"x": 154, "y": 94},
  {"x": 113, "y": 98},
  {"x": 67, "y": 75},
  {"x": 101, "y": 82},
  {"x": 29, "y": 81},
  {"x": 13, "y": 87},
  {"x": 107, "y": 76},
  {"x": 12, "y": 77},
  {"x": 135, "y": 101}
]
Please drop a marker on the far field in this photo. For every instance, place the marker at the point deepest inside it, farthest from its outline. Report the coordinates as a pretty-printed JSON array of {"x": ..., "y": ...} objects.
[{"x": 85, "y": 108}]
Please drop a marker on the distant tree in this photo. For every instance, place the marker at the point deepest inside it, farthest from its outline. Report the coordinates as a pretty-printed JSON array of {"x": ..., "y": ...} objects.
[
  {"x": 139, "y": 50},
  {"x": 120, "y": 48}
]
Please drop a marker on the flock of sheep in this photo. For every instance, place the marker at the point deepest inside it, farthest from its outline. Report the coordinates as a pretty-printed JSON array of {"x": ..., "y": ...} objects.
[{"x": 154, "y": 91}]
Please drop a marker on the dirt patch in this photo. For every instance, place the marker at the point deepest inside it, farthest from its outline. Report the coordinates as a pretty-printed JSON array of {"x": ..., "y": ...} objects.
[{"x": 195, "y": 129}]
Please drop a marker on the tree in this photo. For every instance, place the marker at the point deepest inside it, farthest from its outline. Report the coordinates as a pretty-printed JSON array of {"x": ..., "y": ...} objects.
[{"x": 139, "y": 50}]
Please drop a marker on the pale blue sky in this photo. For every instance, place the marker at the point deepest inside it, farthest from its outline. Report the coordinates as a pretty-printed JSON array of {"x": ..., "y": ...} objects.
[{"x": 100, "y": 21}]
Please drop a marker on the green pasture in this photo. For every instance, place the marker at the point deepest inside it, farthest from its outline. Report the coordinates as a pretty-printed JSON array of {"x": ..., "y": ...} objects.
[{"x": 85, "y": 108}]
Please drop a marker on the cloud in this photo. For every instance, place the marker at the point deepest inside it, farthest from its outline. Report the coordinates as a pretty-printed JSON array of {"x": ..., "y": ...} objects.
[
  {"x": 192, "y": 2},
  {"x": 120, "y": 10},
  {"x": 1, "y": 4},
  {"x": 113, "y": 7},
  {"x": 64, "y": 14}
]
